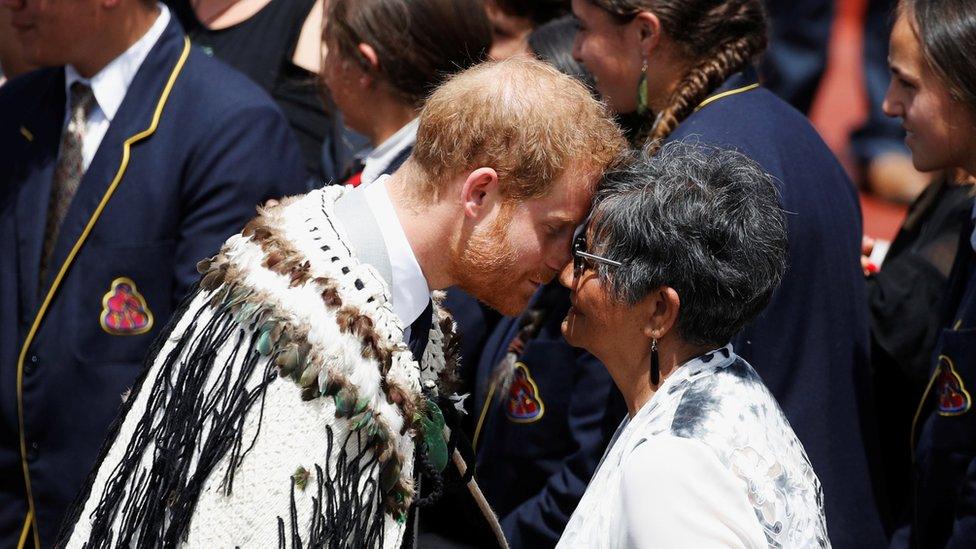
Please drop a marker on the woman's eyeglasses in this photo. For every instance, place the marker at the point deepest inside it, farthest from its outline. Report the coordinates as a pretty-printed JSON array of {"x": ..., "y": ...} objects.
[{"x": 581, "y": 257}]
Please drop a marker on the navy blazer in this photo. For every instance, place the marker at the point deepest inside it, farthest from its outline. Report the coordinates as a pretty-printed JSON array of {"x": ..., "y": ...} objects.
[
  {"x": 811, "y": 344},
  {"x": 538, "y": 445},
  {"x": 945, "y": 458},
  {"x": 191, "y": 151}
]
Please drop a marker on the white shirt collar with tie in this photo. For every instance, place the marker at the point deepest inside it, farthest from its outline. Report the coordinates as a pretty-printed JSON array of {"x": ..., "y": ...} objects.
[
  {"x": 110, "y": 85},
  {"x": 410, "y": 293}
]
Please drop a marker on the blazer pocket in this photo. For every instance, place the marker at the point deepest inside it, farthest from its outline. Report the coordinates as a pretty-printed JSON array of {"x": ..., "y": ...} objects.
[
  {"x": 122, "y": 299},
  {"x": 534, "y": 412},
  {"x": 954, "y": 423}
]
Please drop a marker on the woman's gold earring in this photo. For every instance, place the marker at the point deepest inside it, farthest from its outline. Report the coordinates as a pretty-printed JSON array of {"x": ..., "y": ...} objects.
[{"x": 642, "y": 108}]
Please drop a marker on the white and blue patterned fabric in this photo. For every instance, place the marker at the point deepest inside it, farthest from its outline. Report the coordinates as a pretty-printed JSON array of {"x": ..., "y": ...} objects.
[{"x": 709, "y": 461}]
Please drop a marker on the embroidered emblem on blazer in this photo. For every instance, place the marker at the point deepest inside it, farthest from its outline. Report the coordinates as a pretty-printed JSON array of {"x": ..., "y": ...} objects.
[
  {"x": 524, "y": 404},
  {"x": 124, "y": 310},
  {"x": 953, "y": 397}
]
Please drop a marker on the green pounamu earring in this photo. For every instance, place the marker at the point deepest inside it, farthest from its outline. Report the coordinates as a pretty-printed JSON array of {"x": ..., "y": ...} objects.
[{"x": 642, "y": 108}]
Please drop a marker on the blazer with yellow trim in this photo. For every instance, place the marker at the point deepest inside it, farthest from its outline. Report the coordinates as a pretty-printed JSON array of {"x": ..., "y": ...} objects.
[
  {"x": 944, "y": 458},
  {"x": 810, "y": 344},
  {"x": 193, "y": 148}
]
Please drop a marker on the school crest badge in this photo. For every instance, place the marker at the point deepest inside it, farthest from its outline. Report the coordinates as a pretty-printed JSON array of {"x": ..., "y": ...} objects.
[
  {"x": 524, "y": 404},
  {"x": 124, "y": 310},
  {"x": 953, "y": 397}
]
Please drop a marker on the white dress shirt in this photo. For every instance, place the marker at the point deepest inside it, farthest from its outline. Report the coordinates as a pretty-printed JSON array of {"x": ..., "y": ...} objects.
[
  {"x": 110, "y": 85},
  {"x": 379, "y": 159},
  {"x": 409, "y": 289}
]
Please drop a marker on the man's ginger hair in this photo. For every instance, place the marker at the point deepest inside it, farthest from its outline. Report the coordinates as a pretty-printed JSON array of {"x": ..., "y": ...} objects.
[{"x": 521, "y": 117}]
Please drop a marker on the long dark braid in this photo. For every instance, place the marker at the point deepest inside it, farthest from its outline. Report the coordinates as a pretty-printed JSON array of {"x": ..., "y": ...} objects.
[{"x": 720, "y": 37}]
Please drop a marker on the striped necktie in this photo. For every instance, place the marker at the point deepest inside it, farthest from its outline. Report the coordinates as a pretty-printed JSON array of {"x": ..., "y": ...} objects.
[{"x": 70, "y": 168}]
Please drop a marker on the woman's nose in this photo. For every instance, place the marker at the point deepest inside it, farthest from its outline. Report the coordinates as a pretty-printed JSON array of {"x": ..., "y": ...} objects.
[
  {"x": 566, "y": 275},
  {"x": 577, "y": 51}
]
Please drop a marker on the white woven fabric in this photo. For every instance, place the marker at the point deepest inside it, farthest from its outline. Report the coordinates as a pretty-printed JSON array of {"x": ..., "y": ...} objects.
[{"x": 287, "y": 432}]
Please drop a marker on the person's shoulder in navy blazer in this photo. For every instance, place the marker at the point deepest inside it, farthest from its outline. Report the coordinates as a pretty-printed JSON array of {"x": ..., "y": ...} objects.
[
  {"x": 539, "y": 440},
  {"x": 192, "y": 150},
  {"x": 811, "y": 343},
  {"x": 944, "y": 502}
]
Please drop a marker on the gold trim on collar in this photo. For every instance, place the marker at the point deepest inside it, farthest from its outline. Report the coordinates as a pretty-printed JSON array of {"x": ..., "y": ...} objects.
[
  {"x": 484, "y": 412},
  {"x": 724, "y": 94},
  {"x": 123, "y": 166},
  {"x": 25, "y": 530},
  {"x": 26, "y": 133}
]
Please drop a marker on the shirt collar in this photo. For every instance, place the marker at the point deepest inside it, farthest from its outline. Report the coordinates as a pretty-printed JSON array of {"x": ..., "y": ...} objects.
[
  {"x": 111, "y": 83},
  {"x": 381, "y": 156},
  {"x": 409, "y": 290}
]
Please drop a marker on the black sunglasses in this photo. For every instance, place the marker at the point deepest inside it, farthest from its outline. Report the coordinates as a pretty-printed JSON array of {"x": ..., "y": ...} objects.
[{"x": 581, "y": 257}]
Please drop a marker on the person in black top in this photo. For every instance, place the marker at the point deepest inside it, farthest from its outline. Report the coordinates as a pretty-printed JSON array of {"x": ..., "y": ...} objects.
[
  {"x": 933, "y": 92},
  {"x": 905, "y": 299},
  {"x": 277, "y": 43}
]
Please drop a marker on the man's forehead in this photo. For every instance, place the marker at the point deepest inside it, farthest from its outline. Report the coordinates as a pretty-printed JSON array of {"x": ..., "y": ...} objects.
[
  {"x": 569, "y": 199},
  {"x": 582, "y": 176}
]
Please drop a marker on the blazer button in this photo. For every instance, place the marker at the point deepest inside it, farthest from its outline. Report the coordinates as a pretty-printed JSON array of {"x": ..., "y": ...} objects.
[
  {"x": 31, "y": 365},
  {"x": 32, "y": 451}
]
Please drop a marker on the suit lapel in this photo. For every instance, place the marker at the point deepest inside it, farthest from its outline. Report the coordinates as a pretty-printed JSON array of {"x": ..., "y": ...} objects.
[
  {"x": 44, "y": 125},
  {"x": 135, "y": 115}
]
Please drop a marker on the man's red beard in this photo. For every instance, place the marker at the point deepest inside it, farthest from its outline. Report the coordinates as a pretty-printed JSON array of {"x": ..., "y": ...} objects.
[{"x": 490, "y": 270}]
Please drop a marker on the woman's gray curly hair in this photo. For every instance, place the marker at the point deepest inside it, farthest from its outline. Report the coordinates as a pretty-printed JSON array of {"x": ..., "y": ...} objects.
[{"x": 702, "y": 220}]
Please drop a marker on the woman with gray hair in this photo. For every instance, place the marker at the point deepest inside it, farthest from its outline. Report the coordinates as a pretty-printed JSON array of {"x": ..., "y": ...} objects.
[{"x": 683, "y": 249}]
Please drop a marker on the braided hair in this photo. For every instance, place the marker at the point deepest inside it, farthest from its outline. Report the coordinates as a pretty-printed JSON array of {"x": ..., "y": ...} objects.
[{"x": 719, "y": 37}]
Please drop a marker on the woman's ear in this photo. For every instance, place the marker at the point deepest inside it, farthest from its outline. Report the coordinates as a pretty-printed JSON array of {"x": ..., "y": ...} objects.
[
  {"x": 478, "y": 191},
  {"x": 648, "y": 28},
  {"x": 372, "y": 60},
  {"x": 661, "y": 312}
]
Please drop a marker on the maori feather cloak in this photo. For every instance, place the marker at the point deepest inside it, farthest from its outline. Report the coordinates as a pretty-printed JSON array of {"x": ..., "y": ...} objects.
[{"x": 281, "y": 407}]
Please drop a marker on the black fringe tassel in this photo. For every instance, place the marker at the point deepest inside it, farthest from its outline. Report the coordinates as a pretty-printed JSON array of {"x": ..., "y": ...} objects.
[
  {"x": 346, "y": 510},
  {"x": 156, "y": 503}
]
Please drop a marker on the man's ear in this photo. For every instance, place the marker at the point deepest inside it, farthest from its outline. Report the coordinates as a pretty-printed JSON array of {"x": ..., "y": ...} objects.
[
  {"x": 478, "y": 192},
  {"x": 648, "y": 28},
  {"x": 660, "y": 308}
]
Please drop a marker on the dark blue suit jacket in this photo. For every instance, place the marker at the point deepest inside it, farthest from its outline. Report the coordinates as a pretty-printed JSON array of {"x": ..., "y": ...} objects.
[
  {"x": 810, "y": 345},
  {"x": 538, "y": 445},
  {"x": 945, "y": 458},
  {"x": 191, "y": 151}
]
